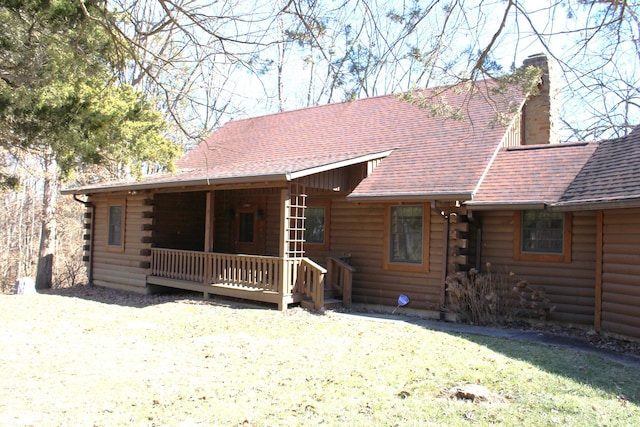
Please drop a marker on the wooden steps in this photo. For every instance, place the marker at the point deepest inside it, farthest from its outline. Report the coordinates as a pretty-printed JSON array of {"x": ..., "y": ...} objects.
[
  {"x": 332, "y": 300},
  {"x": 332, "y": 303}
]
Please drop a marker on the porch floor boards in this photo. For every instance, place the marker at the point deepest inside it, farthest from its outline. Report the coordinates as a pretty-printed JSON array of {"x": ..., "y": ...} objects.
[{"x": 227, "y": 290}]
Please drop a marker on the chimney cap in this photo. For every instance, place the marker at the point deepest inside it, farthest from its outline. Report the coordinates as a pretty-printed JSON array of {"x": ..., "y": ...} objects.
[{"x": 537, "y": 60}]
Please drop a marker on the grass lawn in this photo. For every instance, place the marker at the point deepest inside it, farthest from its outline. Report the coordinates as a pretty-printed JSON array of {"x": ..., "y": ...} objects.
[{"x": 74, "y": 359}]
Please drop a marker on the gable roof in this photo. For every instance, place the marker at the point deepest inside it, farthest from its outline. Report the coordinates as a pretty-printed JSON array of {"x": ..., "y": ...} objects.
[
  {"x": 612, "y": 174},
  {"x": 531, "y": 176},
  {"x": 425, "y": 155}
]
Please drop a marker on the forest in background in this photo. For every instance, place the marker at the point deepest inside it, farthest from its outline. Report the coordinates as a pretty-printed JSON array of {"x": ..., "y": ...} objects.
[{"x": 21, "y": 218}]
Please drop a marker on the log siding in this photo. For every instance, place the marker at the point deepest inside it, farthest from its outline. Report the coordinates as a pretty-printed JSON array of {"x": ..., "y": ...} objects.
[
  {"x": 620, "y": 299},
  {"x": 570, "y": 286},
  {"x": 597, "y": 286},
  {"x": 357, "y": 232},
  {"x": 126, "y": 269}
]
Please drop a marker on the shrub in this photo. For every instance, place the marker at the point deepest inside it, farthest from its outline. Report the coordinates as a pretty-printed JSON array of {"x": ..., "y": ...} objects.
[{"x": 490, "y": 298}]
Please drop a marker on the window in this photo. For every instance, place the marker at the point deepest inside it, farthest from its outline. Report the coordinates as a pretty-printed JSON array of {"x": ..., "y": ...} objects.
[
  {"x": 542, "y": 232},
  {"x": 542, "y": 236},
  {"x": 115, "y": 239},
  {"x": 406, "y": 238},
  {"x": 314, "y": 225},
  {"x": 316, "y": 233}
]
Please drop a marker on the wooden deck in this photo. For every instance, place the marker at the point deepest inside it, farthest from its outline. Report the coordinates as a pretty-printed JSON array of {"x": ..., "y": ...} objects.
[{"x": 275, "y": 280}]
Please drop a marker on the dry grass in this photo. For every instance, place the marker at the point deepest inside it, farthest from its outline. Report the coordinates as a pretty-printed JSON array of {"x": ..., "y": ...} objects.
[{"x": 167, "y": 361}]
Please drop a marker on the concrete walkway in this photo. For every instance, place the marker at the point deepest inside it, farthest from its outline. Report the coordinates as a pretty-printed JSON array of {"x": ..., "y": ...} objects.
[{"x": 569, "y": 342}]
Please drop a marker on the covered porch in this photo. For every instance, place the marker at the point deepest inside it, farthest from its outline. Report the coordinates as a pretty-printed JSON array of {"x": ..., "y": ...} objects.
[{"x": 244, "y": 243}]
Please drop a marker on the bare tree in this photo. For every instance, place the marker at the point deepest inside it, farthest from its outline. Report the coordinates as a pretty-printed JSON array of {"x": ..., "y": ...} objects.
[
  {"x": 370, "y": 47},
  {"x": 192, "y": 57},
  {"x": 206, "y": 62},
  {"x": 48, "y": 233},
  {"x": 21, "y": 216}
]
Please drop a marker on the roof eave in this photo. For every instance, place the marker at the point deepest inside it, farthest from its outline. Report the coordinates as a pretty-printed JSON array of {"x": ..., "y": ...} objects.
[
  {"x": 516, "y": 206},
  {"x": 426, "y": 197},
  {"x": 337, "y": 165},
  {"x": 138, "y": 186},
  {"x": 177, "y": 183},
  {"x": 589, "y": 205}
]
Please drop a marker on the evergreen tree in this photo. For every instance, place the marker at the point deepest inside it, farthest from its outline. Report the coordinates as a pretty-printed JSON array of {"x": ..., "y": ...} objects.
[{"x": 60, "y": 99}]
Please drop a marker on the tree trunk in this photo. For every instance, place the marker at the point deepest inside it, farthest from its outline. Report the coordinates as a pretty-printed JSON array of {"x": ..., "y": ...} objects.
[
  {"x": 281, "y": 53},
  {"x": 44, "y": 277}
]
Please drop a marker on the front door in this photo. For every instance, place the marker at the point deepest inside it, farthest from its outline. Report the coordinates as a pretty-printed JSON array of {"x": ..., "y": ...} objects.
[{"x": 248, "y": 235}]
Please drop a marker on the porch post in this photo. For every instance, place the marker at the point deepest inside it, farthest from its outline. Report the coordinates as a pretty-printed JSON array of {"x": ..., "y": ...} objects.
[
  {"x": 209, "y": 222},
  {"x": 293, "y": 203},
  {"x": 208, "y": 239},
  {"x": 285, "y": 206},
  {"x": 297, "y": 218},
  {"x": 292, "y": 211},
  {"x": 285, "y": 278}
]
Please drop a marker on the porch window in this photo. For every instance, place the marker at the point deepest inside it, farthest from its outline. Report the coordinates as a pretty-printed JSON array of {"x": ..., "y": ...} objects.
[
  {"x": 115, "y": 238},
  {"x": 542, "y": 236},
  {"x": 314, "y": 225},
  {"x": 316, "y": 233},
  {"x": 406, "y": 238}
]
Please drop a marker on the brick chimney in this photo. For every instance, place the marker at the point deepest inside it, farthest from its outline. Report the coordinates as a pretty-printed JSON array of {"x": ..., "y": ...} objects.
[{"x": 540, "y": 114}]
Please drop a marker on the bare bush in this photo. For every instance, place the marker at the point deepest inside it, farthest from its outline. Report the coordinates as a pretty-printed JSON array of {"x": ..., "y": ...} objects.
[{"x": 490, "y": 298}]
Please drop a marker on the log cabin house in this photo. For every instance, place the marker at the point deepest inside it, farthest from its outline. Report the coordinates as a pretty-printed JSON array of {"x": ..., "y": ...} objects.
[{"x": 363, "y": 201}]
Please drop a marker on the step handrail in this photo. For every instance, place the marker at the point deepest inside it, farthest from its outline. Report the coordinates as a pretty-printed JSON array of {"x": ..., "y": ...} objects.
[
  {"x": 340, "y": 278},
  {"x": 310, "y": 281}
]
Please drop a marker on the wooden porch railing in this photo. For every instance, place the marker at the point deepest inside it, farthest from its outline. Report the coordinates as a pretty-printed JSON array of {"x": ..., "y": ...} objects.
[
  {"x": 283, "y": 276},
  {"x": 339, "y": 277},
  {"x": 178, "y": 264},
  {"x": 245, "y": 271}
]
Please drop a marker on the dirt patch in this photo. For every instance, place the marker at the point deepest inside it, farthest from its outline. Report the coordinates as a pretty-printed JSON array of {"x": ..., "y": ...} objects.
[{"x": 474, "y": 393}]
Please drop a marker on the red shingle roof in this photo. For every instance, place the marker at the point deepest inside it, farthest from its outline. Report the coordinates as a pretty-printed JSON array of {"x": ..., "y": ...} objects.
[
  {"x": 532, "y": 175},
  {"x": 431, "y": 155},
  {"x": 612, "y": 174}
]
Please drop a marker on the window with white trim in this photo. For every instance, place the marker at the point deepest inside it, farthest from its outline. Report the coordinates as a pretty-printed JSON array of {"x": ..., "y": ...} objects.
[{"x": 115, "y": 237}]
